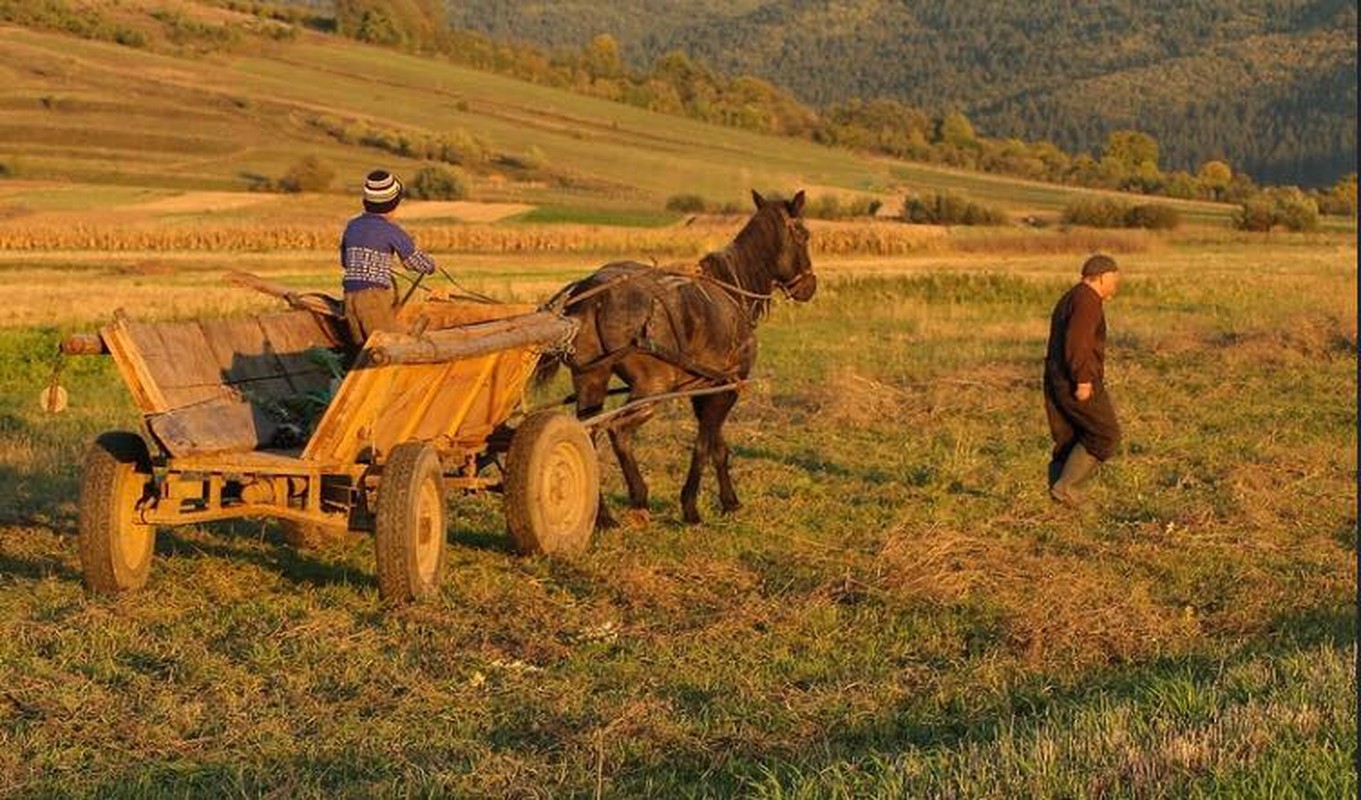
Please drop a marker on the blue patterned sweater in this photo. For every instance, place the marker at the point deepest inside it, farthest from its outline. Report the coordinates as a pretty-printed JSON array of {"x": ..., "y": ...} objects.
[{"x": 367, "y": 248}]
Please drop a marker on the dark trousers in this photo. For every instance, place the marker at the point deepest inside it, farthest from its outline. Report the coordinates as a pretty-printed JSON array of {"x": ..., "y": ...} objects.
[
  {"x": 368, "y": 311},
  {"x": 1091, "y": 422}
]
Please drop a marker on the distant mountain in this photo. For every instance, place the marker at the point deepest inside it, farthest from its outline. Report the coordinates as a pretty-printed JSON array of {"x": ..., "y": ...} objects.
[{"x": 1268, "y": 84}]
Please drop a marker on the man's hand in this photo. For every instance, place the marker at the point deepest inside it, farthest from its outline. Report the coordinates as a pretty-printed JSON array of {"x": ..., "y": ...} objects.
[{"x": 1083, "y": 393}]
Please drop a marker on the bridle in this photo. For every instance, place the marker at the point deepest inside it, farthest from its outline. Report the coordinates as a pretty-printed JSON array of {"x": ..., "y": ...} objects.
[{"x": 796, "y": 232}]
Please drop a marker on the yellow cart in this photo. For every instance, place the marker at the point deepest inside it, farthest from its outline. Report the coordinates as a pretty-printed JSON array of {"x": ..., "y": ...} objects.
[{"x": 416, "y": 417}]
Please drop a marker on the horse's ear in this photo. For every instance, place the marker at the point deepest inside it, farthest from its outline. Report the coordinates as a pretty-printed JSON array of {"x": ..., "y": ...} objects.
[
  {"x": 796, "y": 205},
  {"x": 758, "y": 199}
]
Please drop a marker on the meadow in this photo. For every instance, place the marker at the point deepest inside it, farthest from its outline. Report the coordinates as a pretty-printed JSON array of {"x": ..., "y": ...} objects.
[{"x": 897, "y": 611}]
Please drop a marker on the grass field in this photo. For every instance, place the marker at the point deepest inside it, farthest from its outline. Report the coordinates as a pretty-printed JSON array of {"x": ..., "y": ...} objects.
[
  {"x": 898, "y": 610},
  {"x": 95, "y": 112}
]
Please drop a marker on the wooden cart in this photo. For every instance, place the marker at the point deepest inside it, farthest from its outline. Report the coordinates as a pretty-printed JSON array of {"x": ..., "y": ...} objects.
[{"x": 416, "y": 417}]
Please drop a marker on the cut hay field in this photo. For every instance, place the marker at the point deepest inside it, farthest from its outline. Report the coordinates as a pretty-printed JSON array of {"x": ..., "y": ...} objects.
[{"x": 897, "y": 611}]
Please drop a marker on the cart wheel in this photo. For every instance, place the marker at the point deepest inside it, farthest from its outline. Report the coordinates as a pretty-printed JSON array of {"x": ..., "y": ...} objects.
[
  {"x": 309, "y": 535},
  {"x": 115, "y": 546},
  {"x": 552, "y": 485},
  {"x": 409, "y": 524}
]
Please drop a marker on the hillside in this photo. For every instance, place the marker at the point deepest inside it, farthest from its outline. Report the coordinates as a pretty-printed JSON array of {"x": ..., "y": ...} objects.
[
  {"x": 209, "y": 99},
  {"x": 1269, "y": 84}
]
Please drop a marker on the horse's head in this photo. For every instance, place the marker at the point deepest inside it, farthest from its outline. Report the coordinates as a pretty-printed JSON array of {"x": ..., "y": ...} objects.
[{"x": 793, "y": 268}]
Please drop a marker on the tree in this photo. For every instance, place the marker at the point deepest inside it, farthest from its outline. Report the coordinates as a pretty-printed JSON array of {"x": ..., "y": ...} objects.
[
  {"x": 1215, "y": 176},
  {"x": 1131, "y": 155},
  {"x": 602, "y": 58},
  {"x": 1341, "y": 199},
  {"x": 957, "y": 131},
  {"x": 400, "y": 23}
]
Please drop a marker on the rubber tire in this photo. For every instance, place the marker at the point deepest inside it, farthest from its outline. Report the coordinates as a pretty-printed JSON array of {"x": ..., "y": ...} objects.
[
  {"x": 115, "y": 549},
  {"x": 552, "y": 485},
  {"x": 309, "y": 535},
  {"x": 409, "y": 524}
]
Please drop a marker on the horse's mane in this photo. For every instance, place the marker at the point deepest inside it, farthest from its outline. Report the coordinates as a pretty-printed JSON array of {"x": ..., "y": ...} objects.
[{"x": 748, "y": 260}]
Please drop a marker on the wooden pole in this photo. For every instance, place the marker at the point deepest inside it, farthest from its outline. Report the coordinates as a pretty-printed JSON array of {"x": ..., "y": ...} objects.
[{"x": 469, "y": 341}]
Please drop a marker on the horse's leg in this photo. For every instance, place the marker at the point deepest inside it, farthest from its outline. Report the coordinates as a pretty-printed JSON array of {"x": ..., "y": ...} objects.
[
  {"x": 621, "y": 437},
  {"x": 698, "y": 455},
  {"x": 592, "y": 389},
  {"x": 715, "y": 414}
]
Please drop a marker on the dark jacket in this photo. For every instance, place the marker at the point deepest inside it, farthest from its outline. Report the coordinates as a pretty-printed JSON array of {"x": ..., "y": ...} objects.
[{"x": 1077, "y": 337}]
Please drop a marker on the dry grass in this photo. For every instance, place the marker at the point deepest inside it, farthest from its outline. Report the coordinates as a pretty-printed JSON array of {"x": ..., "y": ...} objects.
[{"x": 896, "y": 611}]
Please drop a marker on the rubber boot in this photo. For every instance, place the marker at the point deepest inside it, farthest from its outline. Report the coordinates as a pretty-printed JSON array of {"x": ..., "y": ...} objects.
[{"x": 1077, "y": 469}]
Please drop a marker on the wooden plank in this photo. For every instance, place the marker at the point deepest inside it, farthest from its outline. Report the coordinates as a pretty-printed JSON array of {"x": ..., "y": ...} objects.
[
  {"x": 445, "y": 418},
  {"x": 291, "y": 335},
  {"x": 280, "y": 462},
  {"x": 356, "y": 403},
  {"x": 145, "y": 391},
  {"x": 213, "y": 427},
  {"x": 246, "y": 358},
  {"x": 179, "y": 361}
]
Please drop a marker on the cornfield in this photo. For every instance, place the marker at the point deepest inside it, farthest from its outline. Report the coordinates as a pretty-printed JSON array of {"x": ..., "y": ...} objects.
[{"x": 829, "y": 239}]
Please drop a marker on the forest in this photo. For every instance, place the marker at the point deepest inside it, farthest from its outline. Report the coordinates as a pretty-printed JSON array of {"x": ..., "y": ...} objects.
[{"x": 1267, "y": 85}]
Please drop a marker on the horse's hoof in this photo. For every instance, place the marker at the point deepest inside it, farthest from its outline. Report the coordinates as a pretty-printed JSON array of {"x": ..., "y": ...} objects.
[
  {"x": 605, "y": 522},
  {"x": 731, "y": 508},
  {"x": 691, "y": 517},
  {"x": 638, "y": 518}
]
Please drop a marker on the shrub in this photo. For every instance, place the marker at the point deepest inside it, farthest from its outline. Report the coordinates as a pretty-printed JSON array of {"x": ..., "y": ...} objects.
[
  {"x": 438, "y": 183},
  {"x": 1153, "y": 216},
  {"x": 827, "y": 206},
  {"x": 310, "y": 174},
  {"x": 1110, "y": 212},
  {"x": 1295, "y": 210},
  {"x": 947, "y": 208},
  {"x": 686, "y": 203},
  {"x": 534, "y": 158},
  {"x": 1287, "y": 207},
  {"x": 833, "y": 207},
  {"x": 1256, "y": 214},
  {"x": 460, "y": 147},
  {"x": 1097, "y": 212}
]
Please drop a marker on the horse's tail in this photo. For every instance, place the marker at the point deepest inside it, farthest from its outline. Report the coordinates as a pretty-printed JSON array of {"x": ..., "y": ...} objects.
[{"x": 550, "y": 361}]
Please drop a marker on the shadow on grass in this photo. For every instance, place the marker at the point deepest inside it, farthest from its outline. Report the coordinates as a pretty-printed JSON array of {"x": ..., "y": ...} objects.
[
  {"x": 816, "y": 464},
  {"x": 38, "y": 567},
  {"x": 480, "y": 537},
  {"x": 40, "y": 498},
  {"x": 313, "y": 568}
]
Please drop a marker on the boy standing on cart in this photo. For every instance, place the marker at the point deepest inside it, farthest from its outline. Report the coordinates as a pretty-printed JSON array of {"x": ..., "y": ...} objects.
[{"x": 367, "y": 248}]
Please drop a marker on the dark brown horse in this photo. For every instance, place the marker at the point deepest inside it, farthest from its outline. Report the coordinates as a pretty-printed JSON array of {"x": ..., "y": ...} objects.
[{"x": 664, "y": 331}]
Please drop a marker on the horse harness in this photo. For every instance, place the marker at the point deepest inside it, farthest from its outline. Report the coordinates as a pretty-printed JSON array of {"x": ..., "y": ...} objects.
[{"x": 646, "y": 342}]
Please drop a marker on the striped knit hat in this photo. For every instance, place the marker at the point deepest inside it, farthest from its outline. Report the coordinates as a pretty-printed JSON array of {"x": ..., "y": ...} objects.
[{"x": 382, "y": 191}]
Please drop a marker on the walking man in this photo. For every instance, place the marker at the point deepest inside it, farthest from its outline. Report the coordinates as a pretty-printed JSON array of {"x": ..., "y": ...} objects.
[
  {"x": 1081, "y": 417},
  {"x": 367, "y": 248}
]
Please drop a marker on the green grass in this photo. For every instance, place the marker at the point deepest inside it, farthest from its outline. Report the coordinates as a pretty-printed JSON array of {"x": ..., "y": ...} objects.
[{"x": 897, "y": 610}]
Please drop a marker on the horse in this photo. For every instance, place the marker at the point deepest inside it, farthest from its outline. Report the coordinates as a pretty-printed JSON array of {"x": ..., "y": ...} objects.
[{"x": 665, "y": 331}]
